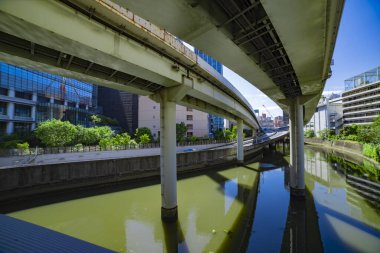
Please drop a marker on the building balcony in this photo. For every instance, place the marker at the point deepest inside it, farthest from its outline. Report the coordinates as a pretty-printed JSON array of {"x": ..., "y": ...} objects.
[
  {"x": 362, "y": 105},
  {"x": 360, "y": 99},
  {"x": 362, "y": 111}
]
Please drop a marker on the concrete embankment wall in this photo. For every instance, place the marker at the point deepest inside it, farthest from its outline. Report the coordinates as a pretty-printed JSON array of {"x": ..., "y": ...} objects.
[
  {"x": 34, "y": 179},
  {"x": 347, "y": 146}
]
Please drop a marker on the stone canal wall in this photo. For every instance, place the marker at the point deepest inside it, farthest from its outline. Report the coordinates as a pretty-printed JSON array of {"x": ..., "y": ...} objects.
[
  {"x": 352, "y": 147},
  {"x": 27, "y": 180}
]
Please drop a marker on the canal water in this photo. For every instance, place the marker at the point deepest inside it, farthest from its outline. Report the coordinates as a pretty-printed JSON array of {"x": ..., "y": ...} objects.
[{"x": 241, "y": 209}]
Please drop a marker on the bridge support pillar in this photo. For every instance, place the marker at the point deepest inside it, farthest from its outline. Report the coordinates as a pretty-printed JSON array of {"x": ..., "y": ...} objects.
[
  {"x": 240, "y": 145},
  {"x": 168, "y": 158},
  {"x": 297, "y": 163}
]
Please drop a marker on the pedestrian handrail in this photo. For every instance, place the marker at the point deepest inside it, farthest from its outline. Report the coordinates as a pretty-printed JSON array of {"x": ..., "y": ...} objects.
[{"x": 33, "y": 152}]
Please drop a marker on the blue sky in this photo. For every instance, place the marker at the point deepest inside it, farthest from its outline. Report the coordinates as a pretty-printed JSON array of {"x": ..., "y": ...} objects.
[{"x": 357, "y": 50}]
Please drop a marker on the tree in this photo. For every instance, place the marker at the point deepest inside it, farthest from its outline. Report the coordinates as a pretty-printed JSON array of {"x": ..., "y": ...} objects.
[
  {"x": 181, "y": 130},
  {"x": 56, "y": 133},
  {"x": 219, "y": 134},
  {"x": 141, "y": 131},
  {"x": 103, "y": 120},
  {"x": 228, "y": 134}
]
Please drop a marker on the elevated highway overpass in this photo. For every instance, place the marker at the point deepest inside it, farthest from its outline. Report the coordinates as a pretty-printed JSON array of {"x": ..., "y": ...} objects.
[{"x": 283, "y": 48}]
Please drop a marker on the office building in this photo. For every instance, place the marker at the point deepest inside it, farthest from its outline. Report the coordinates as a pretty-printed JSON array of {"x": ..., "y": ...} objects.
[
  {"x": 28, "y": 97},
  {"x": 361, "y": 98},
  {"x": 266, "y": 122},
  {"x": 149, "y": 116},
  {"x": 328, "y": 114},
  {"x": 119, "y": 105},
  {"x": 214, "y": 122}
]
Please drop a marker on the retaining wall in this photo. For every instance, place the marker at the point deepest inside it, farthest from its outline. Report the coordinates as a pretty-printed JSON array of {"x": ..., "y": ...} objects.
[
  {"x": 352, "y": 147},
  {"x": 34, "y": 179}
]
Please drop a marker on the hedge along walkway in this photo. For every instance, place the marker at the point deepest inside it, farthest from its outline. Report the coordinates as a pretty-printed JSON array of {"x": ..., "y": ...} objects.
[{"x": 343, "y": 146}]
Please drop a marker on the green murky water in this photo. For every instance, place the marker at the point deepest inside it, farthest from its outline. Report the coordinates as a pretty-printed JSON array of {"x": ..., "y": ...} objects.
[
  {"x": 216, "y": 210},
  {"x": 210, "y": 209}
]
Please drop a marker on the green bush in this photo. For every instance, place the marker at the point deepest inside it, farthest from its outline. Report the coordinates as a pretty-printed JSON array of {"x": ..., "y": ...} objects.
[
  {"x": 56, "y": 133},
  {"x": 193, "y": 138},
  {"x": 78, "y": 147},
  {"x": 10, "y": 144},
  {"x": 23, "y": 146},
  {"x": 144, "y": 139},
  {"x": 309, "y": 133},
  {"x": 117, "y": 142},
  {"x": 142, "y": 131},
  {"x": 371, "y": 151},
  {"x": 324, "y": 134},
  {"x": 181, "y": 130},
  {"x": 351, "y": 137}
]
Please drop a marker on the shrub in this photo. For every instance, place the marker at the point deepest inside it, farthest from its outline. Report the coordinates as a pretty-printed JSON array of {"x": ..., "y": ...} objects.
[
  {"x": 309, "y": 133},
  {"x": 193, "y": 138},
  {"x": 142, "y": 131},
  {"x": 371, "y": 151},
  {"x": 78, "y": 147},
  {"x": 351, "y": 137},
  {"x": 10, "y": 144},
  {"x": 324, "y": 134},
  {"x": 144, "y": 139},
  {"x": 56, "y": 133}
]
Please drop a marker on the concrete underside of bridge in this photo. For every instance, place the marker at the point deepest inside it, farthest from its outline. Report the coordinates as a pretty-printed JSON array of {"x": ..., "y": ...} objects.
[
  {"x": 284, "y": 48},
  {"x": 87, "y": 48}
]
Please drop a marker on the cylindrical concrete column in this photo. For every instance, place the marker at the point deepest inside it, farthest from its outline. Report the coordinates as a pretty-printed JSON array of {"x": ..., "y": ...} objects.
[
  {"x": 297, "y": 167},
  {"x": 240, "y": 145},
  {"x": 168, "y": 159},
  {"x": 300, "y": 149}
]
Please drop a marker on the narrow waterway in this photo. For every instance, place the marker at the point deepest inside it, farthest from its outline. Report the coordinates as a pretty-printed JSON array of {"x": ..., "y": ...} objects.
[{"x": 241, "y": 209}]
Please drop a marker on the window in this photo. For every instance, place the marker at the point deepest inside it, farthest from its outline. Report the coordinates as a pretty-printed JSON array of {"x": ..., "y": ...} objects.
[
  {"x": 22, "y": 111},
  {"x": 21, "y": 127},
  {"x": 154, "y": 107},
  {"x": 24, "y": 95},
  {"x": 189, "y": 109},
  {"x": 189, "y": 134},
  {"x": 189, "y": 126},
  {"x": 3, "y": 128},
  {"x": 154, "y": 126},
  {"x": 3, "y": 108},
  {"x": 189, "y": 117},
  {"x": 3, "y": 91}
]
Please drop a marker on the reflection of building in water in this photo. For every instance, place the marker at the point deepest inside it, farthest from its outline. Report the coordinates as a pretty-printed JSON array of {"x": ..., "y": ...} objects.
[
  {"x": 332, "y": 192},
  {"x": 366, "y": 188}
]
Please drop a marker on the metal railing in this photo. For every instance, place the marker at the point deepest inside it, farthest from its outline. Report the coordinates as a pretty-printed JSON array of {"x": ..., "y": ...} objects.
[{"x": 81, "y": 148}]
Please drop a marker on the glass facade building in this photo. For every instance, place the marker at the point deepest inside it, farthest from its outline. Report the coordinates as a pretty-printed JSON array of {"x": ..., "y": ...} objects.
[
  {"x": 28, "y": 97},
  {"x": 215, "y": 122}
]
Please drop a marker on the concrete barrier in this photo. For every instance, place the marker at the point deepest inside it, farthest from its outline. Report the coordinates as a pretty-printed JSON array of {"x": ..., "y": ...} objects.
[{"x": 35, "y": 179}]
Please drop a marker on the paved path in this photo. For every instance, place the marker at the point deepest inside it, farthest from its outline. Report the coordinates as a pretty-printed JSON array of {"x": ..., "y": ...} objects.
[{"x": 94, "y": 155}]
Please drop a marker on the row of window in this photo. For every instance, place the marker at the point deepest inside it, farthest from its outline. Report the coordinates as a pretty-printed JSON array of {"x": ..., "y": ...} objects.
[{"x": 47, "y": 85}]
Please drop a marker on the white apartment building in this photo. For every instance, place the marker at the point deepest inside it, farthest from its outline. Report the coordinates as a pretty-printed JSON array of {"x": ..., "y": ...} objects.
[
  {"x": 328, "y": 114},
  {"x": 149, "y": 116},
  {"x": 361, "y": 98}
]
